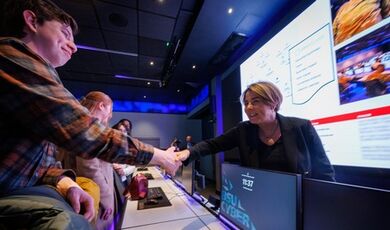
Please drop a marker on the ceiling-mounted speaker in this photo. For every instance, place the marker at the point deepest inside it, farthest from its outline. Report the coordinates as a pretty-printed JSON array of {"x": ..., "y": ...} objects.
[{"x": 118, "y": 20}]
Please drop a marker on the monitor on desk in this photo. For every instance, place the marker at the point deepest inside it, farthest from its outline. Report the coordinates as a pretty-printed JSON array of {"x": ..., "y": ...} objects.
[
  {"x": 259, "y": 199},
  {"x": 142, "y": 169},
  {"x": 184, "y": 178},
  {"x": 330, "y": 205}
]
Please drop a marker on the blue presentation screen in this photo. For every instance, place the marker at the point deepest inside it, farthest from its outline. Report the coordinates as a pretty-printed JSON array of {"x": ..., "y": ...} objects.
[{"x": 259, "y": 199}]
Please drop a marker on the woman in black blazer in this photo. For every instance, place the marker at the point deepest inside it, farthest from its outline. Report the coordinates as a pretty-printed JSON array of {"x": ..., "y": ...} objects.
[{"x": 269, "y": 140}]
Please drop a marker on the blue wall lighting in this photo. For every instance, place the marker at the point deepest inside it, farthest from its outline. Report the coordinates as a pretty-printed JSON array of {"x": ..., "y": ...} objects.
[
  {"x": 149, "y": 107},
  {"x": 200, "y": 97}
]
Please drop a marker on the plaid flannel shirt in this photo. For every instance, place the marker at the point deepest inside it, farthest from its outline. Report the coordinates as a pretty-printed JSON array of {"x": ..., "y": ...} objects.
[{"x": 37, "y": 114}]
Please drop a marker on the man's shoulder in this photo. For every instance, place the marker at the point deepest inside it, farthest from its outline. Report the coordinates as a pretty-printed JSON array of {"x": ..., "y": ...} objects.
[
  {"x": 11, "y": 42},
  {"x": 18, "y": 52},
  {"x": 5, "y": 40}
]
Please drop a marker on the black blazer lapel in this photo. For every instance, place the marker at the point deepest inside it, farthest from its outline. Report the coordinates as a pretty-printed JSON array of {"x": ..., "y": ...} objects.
[
  {"x": 290, "y": 144},
  {"x": 252, "y": 148}
]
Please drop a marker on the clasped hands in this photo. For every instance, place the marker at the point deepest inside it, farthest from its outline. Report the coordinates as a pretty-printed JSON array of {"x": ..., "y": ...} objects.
[{"x": 170, "y": 160}]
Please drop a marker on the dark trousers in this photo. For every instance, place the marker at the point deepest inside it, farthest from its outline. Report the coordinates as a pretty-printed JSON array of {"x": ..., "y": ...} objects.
[{"x": 38, "y": 207}]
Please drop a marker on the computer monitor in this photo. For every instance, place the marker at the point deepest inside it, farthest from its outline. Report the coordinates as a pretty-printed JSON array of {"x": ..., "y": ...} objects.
[
  {"x": 187, "y": 178},
  {"x": 260, "y": 199},
  {"x": 184, "y": 178},
  {"x": 330, "y": 205}
]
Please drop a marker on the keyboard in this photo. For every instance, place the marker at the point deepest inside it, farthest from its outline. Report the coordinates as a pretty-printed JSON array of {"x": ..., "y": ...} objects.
[
  {"x": 142, "y": 169},
  {"x": 155, "y": 193},
  {"x": 156, "y": 198},
  {"x": 149, "y": 176}
]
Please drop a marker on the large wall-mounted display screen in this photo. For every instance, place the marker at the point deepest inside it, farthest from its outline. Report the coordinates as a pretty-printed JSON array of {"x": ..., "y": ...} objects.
[{"x": 332, "y": 64}]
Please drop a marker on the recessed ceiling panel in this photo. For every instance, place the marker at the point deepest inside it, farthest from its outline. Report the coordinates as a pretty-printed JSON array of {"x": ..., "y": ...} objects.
[
  {"x": 121, "y": 42},
  {"x": 86, "y": 61},
  {"x": 127, "y": 3},
  {"x": 150, "y": 26},
  {"x": 85, "y": 35},
  {"x": 82, "y": 10},
  {"x": 189, "y": 5},
  {"x": 182, "y": 23},
  {"x": 168, "y": 7},
  {"x": 153, "y": 47},
  {"x": 124, "y": 65},
  {"x": 117, "y": 18}
]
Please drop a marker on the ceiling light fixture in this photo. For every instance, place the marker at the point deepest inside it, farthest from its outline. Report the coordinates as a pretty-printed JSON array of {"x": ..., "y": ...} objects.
[
  {"x": 230, "y": 10},
  {"x": 194, "y": 67},
  {"x": 151, "y": 63},
  {"x": 178, "y": 90},
  {"x": 148, "y": 83}
]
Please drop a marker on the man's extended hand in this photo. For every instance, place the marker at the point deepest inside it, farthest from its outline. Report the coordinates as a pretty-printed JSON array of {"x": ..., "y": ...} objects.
[
  {"x": 171, "y": 165},
  {"x": 166, "y": 159},
  {"x": 182, "y": 155},
  {"x": 80, "y": 200}
]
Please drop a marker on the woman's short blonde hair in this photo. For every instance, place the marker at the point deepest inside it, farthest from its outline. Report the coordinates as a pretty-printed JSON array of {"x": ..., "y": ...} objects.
[{"x": 267, "y": 91}]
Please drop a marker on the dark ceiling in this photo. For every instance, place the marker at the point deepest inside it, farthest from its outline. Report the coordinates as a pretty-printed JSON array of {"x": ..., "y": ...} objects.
[{"x": 119, "y": 39}]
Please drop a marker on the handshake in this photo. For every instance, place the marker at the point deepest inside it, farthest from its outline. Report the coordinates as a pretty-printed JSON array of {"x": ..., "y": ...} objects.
[{"x": 169, "y": 159}]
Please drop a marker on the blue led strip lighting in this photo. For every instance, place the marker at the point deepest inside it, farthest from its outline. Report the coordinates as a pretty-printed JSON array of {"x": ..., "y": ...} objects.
[
  {"x": 149, "y": 107},
  {"x": 200, "y": 97}
]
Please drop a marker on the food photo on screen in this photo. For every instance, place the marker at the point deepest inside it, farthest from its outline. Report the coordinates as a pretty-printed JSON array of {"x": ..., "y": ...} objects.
[{"x": 363, "y": 67}]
